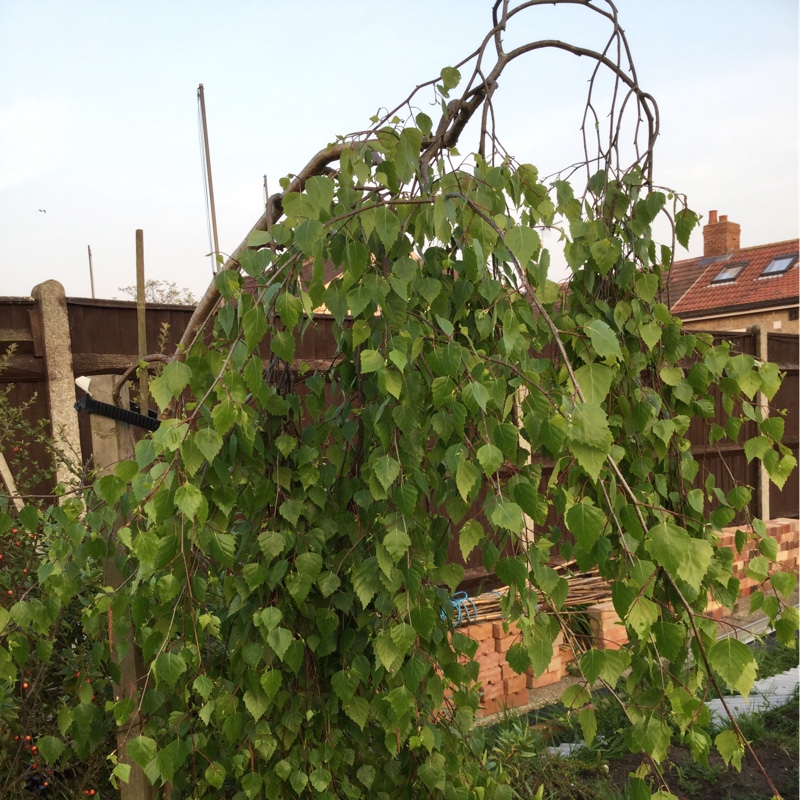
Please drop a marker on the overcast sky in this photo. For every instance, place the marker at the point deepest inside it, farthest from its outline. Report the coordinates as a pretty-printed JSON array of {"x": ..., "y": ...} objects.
[{"x": 99, "y": 124}]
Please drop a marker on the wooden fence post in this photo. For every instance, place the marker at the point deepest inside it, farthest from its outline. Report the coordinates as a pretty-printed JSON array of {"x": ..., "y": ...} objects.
[
  {"x": 113, "y": 442},
  {"x": 60, "y": 378},
  {"x": 762, "y": 354}
]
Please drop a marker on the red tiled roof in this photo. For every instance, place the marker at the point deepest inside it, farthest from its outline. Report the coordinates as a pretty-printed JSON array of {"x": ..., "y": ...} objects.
[{"x": 691, "y": 290}]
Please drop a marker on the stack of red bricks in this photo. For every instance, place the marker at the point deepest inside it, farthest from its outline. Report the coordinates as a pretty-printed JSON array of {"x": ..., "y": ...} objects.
[
  {"x": 502, "y": 688},
  {"x": 787, "y": 534}
]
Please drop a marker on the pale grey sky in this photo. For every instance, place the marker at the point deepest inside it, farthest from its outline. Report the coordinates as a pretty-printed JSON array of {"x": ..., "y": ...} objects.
[{"x": 98, "y": 113}]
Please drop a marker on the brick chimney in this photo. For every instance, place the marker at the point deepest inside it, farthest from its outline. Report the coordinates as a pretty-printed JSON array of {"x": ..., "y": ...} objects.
[{"x": 720, "y": 236}]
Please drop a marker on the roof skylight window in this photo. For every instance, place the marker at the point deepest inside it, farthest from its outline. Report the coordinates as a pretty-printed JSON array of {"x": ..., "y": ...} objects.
[
  {"x": 729, "y": 273},
  {"x": 779, "y": 265}
]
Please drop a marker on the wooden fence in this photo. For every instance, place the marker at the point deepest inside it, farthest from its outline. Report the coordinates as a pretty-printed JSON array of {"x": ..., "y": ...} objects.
[{"x": 103, "y": 340}]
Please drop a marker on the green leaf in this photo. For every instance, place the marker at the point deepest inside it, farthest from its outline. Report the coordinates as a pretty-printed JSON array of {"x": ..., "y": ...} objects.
[
  {"x": 208, "y": 442},
  {"x": 320, "y": 778},
  {"x": 590, "y": 458},
  {"x": 256, "y": 704},
  {"x": 506, "y": 436},
  {"x": 523, "y": 242},
  {"x": 588, "y": 722},
  {"x": 642, "y": 614},
  {"x": 508, "y": 516},
  {"x": 320, "y": 190},
  {"x": 298, "y": 780},
  {"x": 731, "y": 748},
  {"x": 490, "y": 458},
  {"x": 586, "y": 522},
  {"x": 518, "y": 657},
  {"x": 575, "y": 696},
  {"x": 215, "y": 774},
  {"x": 366, "y": 773},
  {"x": 595, "y": 382},
  {"x": 784, "y": 583},
  {"x": 169, "y": 667},
  {"x": 279, "y": 640},
  {"x": 289, "y": 308},
  {"x": 358, "y": 711},
  {"x": 283, "y": 345},
  {"x": 450, "y": 77},
  {"x": 672, "y": 376},
  {"x": 254, "y": 325},
  {"x": 386, "y": 470},
  {"x": 467, "y": 475},
  {"x": 605, "y": 253},
  {"x": 470, "y": 536},
  {"x": 51, "y": 748},
  {"x": 734, "y": 662},
  {"x": 432, "y": 775},
  {"x": 176, "y": 377},
  {"x": 679, "y": 554},
  {"x": 270, "y": 682},
  {"x": 307, "y": 235},
  {"x": 670, "y": 639},
  {"x": 371, "y": 360},
  {"x": 142, "y": 750},
  {"x": 191, "y": 501},
  {"x": 685, "y": 221},
  {"x": 388, "y": 226},
  {"x": 396, "y": 542},
  {"x": 403, "y": 635},
  {"x": 387, "y": 652},
  {"x": 653, "y": 736},
  {"x": 604, "y": 340},
  {"x": 650, "y": 333}
]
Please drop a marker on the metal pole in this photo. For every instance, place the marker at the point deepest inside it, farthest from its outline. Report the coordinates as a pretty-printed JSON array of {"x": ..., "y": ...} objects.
[
  {"x": 91, "y": 273},
  {"x": 201, "y": 95},
  {"x": 141, "y": 319}
]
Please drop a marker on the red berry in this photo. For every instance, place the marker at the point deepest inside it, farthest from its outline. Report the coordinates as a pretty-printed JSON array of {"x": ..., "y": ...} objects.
[
  {"x": 27, "y": 738},
  {"x": 25, "y": 685}
]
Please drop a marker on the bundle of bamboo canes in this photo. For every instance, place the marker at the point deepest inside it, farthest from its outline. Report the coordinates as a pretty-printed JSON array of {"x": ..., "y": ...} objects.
[{"x": 585, "y": 589}]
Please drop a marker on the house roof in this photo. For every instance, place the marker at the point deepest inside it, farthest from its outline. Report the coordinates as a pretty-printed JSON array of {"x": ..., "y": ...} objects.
[{"x": 694, "y": 292}]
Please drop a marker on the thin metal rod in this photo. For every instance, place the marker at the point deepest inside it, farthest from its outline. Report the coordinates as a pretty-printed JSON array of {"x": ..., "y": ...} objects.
[
  {"x": 201, "y": 96},
  {"x": 141, "y": 319},
  {"x": 91, "y": 273}
]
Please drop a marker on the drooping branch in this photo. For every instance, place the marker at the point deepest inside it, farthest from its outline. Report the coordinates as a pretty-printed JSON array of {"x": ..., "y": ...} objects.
[{"x": 479, "y": 89}]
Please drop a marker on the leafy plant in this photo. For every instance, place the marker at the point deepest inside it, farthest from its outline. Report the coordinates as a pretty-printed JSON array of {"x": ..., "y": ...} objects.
[{"x": 283, "y": 537}]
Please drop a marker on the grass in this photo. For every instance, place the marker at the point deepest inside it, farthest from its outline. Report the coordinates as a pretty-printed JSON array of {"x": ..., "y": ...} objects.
[
  {"x": 518, "y": 751},
  {"x": 774, "y": 658},
  {"x": 517, "y": 746}
]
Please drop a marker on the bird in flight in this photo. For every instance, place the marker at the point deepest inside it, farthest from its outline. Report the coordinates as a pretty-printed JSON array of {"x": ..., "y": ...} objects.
[{"x": 43, "y": 210}]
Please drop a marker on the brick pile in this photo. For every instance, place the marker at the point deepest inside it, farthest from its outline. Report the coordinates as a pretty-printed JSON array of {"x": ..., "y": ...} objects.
[
  {"x": 502, "y": 688},
  {"x": 787, "y": 534}
]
